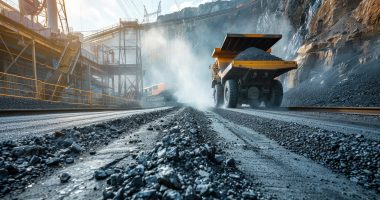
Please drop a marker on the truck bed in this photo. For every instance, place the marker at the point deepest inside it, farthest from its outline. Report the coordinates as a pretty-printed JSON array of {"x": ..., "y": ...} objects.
[{"x": 243, "y": 68}]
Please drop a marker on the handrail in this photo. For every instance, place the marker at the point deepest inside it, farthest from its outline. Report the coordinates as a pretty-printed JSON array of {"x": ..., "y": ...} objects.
[{"x": 12, "y": 85}]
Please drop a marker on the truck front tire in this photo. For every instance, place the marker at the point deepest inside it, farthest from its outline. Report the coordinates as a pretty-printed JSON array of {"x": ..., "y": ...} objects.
[
  {"x": 274, "y": 99},
  {"x": 218, "y": 95},
  {"x": 231, "y": 94}
]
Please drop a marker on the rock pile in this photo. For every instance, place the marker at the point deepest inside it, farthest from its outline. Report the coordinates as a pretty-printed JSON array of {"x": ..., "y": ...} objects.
[
  {"x": 359, "y": 88},
  {"x": 22, "y": 161},
  {"x": 353, "y": 155},
  {"x": 255, "y": 54},
  {"x": 184, "y": 164}
]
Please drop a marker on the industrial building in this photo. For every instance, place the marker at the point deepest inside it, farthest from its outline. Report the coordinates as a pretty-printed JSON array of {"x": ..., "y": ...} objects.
[{"x": 42, "y": 59}]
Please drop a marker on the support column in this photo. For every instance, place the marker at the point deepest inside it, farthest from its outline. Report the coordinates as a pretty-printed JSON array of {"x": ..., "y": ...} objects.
[
  {"x": 35, "y": 69},
  {"x": 125, "y": 85},
  {"x": 89, "y": 85},
  {"x": 119, "y": 85},
  {"x": 108, "y": 85},
  {"x": 102, "y": 83},
  {"x": 113, "y": 85},
  {"x": 137, "y": 65}
]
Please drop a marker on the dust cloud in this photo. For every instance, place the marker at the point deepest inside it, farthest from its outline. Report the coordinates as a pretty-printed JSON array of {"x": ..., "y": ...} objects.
[{"x": 176, "y": 63}]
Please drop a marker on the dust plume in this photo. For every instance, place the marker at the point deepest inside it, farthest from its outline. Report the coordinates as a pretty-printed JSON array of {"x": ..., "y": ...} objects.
[{"x": 176, "y": 63}]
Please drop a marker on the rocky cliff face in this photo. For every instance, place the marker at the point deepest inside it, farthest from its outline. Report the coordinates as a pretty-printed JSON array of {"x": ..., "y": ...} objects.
[
  {"x": 336, "y": 43},
  {"x": 339, "y": 60},
  {"x": 368, "y": 13}
]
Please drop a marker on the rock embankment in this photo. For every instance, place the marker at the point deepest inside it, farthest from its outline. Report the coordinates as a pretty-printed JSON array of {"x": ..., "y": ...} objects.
[
  {"x": 352, "y": 155},
  {"x": 24, "y": 160},
  {"x": 184, "y": 164}
]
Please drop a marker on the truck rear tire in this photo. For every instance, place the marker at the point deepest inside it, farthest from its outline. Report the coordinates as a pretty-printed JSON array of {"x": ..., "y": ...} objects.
[
  {"x": 231, "y": 94},
  {"x": 218, "y": 95},
  {"x": 274, "y": 99}
]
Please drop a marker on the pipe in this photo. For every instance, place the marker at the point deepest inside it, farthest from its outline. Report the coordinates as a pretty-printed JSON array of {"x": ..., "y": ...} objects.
[{"x": 52, "y": 11}]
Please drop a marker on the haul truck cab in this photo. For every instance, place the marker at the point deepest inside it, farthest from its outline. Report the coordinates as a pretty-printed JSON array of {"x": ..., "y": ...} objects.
[{"x": 242, "y": 77}]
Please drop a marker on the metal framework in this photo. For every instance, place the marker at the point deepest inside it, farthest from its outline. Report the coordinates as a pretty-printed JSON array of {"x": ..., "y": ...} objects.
[
  {"x": 63, "y": 17},
  {"x": 118, "y": 52},
  {"x": 37, "y": 65},
  {"x": 148, "y": 15}
]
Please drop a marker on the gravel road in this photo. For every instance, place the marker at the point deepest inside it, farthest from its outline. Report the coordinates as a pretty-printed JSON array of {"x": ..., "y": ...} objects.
[{"x": 189, "y": 154}]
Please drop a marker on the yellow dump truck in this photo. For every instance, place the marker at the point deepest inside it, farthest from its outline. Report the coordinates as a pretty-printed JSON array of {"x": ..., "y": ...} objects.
[{"x": 245, "y": 72}]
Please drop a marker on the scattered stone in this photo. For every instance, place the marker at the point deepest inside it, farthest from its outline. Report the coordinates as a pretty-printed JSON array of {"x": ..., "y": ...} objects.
[
  {"x": 168, "y": 177},
  {"x": 166, "y": 140},
  {"x": 102, "y": 125},
  {"x": 108, "y": 194},
  {"x": 138, "y": 170},
  {"x": 100, "y": 174},
  {"x": 174, "y": 130},
  {"x": 136, "y": 182},
  {"x": 4, "y": 190},
  {"x": 172, "y": 195},
  {"x": 69, "y": 160},
  {"x": 189, "y": 195},
  {"x": 151, "y": 180},
  {"x": 231, "y": 163},
  {"x": 119, "y": 194},
  {"x": 64, "y": 177},
  {"x": 172, "y": 153},
  {"x": 12, "y": 169},
  {"x": 219, "y": 159},
  {"x": 67, "y": 142},
  {"x": 116, "y": 179},
  {"x": 58, "y": 134},
  {"x": 193, "y": 131},
  {"x": 26, "y": 150},
  {"x": 146, "y": 194},
  {"x": 203, "y": 173},
  {"x": 161, "y": 153},
  {"x": 52, "y": 161},
  {"x": 234, "y": 176},
  {"x": 3, "y": 173},
  {"x": 202, "y": 189},
  {"x": 249, "y": 195},
  {"x": 76, "y": 148},
  {"x": 35, "y": 160}
]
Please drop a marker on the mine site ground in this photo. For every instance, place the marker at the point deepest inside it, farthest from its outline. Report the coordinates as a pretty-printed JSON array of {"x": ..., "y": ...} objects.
[
  {"x": 185, "y": 153},
  {"x": 113, "y": 99}
]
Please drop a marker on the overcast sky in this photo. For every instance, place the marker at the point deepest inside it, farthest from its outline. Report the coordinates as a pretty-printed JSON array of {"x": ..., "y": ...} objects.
[{"x": 89, "y": 15}]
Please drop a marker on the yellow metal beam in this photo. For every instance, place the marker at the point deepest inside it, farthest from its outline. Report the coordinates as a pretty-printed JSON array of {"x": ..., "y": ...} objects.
[
  {"x": 259, "y": 65},
  {"x": 27, "y": 33},
  {"x": 265, "y": 65},
  {"x": 218, "y": 53},
  {"x": 255, "y": 35}
]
